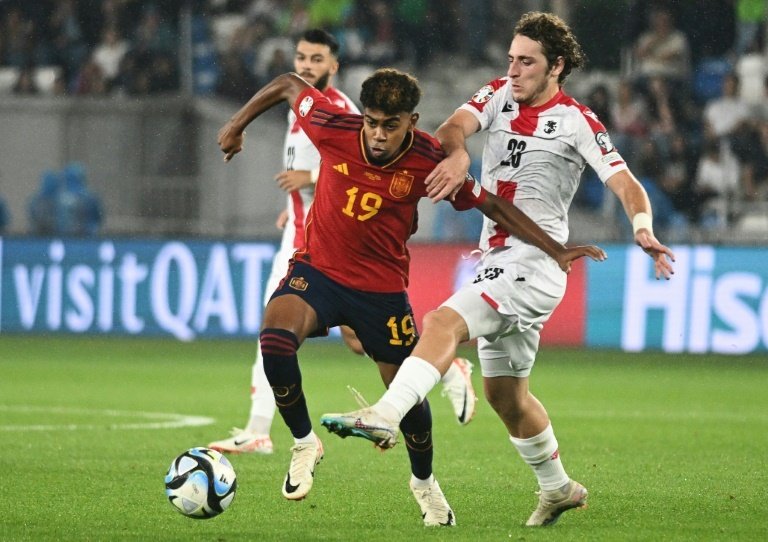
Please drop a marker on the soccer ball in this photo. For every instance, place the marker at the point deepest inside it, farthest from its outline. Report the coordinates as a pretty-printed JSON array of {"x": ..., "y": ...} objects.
[{"x": 201, "y": 483}]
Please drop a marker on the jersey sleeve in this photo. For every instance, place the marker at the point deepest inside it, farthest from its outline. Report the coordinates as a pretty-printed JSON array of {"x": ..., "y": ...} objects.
[
  {"x": 594, "y": 144},
  {"x": 470, "y": 195},
  {"x": 486, "y": 103},
  {"x": 313, "y": 111}
]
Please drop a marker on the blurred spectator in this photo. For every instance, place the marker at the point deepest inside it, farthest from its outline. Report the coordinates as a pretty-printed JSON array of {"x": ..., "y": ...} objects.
[
  {"x": 751, "y": 148},
  {"x": 235, "y": 81},
  {"x": 716, "y": 185},
  {"x": 352, "y": 40},
  {"x": 599, "y": 101},
  {"x": 25, "y": 82},
  {"x": 278, "y": 64},
  {"x": 43, "y": 205},
  {"x": 110, "y": 52},
  {"x": 662, "y": 50},
  {"x": 69, "y": 48},
  {"x": 90, "y": 80},
  {"x": 750, "y": 68},
  {"x": 760, "y": 109},
  {"x": 271, "y": 51},
  {"x": 628, "y": 116},
  {"x": 725, "y": 114},
  {"x": 650, "y": 171},
  {"x": 78, "y": 210},
  {"x": 677, "y": 174},
  {"x": 153, "y": 33},
  {"x": 663, "y": 111},
  {"x": 63, "y": 205},
  {"x": 20, "y": 41},
  {"x": 726, "y": 119}
]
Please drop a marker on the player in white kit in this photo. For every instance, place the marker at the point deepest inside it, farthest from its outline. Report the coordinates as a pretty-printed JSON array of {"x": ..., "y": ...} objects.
[
  {"x": 316, "y": 61},
  {"x": 538, "y": 142}
]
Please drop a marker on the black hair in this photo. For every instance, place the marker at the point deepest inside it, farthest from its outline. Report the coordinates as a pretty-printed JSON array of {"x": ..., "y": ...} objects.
[
  {"x": 390, "y": 91},
  {"x": 318, "y": 35}
]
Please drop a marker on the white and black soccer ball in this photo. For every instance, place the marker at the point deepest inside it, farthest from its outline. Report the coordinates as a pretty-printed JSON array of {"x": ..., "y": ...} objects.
[{"x": 201, "y": 483}]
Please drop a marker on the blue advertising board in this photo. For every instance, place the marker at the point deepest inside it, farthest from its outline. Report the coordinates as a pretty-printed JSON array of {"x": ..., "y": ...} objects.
[
  {"x": 183, "y": 289},
  {"x": 717, "y": 301}
]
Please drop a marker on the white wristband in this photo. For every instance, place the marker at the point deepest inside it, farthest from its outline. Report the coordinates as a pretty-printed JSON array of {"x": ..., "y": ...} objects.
[
  {"x": 642, "y": 221},
  {"x": 314, "y": 174}
]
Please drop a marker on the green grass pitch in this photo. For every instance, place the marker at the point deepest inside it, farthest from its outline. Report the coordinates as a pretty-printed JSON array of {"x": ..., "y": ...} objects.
[{"x": 671, "y": 447}]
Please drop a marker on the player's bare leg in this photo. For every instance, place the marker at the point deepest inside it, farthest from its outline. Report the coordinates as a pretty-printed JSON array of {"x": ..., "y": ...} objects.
[
  {"x": 531, "y": 433},
  {"x": 351, "y": 340}
]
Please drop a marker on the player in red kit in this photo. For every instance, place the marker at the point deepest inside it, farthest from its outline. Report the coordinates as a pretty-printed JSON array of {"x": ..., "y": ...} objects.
[{"x": 353, "y": 269}]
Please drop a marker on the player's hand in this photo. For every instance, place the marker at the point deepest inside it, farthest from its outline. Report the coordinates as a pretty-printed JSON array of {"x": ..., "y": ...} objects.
[
  {"x": 282, "y": 219},
  {"x": 448, "y": 177},
  {"x": 571, "y": 254},
  {"x": 230, "y": 140},
  {"x": 293, "y": 180},
  {"x": 662, "y": 255}
]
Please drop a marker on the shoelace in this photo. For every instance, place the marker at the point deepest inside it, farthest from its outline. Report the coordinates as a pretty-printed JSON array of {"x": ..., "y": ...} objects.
[
  {"x": 306, "y": 458},
  {"x": 362, "y": 403}
]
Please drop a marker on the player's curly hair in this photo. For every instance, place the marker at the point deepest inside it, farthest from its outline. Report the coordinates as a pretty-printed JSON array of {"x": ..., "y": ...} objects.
[
  {"x": 556, "y": 39},
  {"x": 391, "y": 91}
]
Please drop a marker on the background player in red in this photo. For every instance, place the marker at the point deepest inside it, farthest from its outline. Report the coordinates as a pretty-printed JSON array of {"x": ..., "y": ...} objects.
[{"x": 353, "y": 269}]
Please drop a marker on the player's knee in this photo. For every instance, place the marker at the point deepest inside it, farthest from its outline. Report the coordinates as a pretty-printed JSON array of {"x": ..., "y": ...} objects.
[{"x": 444, "y": 321}]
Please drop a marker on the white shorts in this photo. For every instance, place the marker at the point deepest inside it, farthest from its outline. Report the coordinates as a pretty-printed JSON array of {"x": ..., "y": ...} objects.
[{"x": 515, "y": 292}]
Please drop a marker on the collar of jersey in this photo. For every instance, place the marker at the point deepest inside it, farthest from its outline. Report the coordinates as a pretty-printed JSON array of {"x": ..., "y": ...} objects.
[{"x": 528, "y": 110}]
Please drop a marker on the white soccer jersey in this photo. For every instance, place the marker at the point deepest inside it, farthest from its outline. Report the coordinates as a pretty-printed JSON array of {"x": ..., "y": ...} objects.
[
  {"x": 300, "y": 154},
  {"x": 534, "y": 156}
]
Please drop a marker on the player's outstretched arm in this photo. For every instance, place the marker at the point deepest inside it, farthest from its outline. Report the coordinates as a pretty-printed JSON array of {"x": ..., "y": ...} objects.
[
  {"x": 517, "y": 223},
  {"x": 283, "y": 87},
  {"x": 638, "y": 208}
]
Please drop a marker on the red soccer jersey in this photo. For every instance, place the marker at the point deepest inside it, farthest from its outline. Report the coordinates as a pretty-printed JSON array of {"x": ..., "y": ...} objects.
[{"x": 363, "y": 213}]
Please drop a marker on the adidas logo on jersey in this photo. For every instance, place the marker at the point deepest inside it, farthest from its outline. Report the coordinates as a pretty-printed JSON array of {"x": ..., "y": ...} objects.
[{"x": 342, "y": 168}]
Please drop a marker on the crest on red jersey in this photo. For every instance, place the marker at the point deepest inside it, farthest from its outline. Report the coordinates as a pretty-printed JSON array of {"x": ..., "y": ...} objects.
[{"x": 401, "y": 184}]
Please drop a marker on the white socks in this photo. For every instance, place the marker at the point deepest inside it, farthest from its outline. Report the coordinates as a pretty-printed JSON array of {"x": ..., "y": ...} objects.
[
  {"x": 541, "y": 453},
  {"x": 262, "y": 400},
  {"x": 311, "y": 438},
  {"x": 415, "y": 378},
  {"x": 453, "y": 374},
  {"x": 418, "y": 483}
]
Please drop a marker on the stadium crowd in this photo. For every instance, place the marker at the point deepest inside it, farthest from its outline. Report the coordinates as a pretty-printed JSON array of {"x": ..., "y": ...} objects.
[{"x": 684, "y": 92}]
